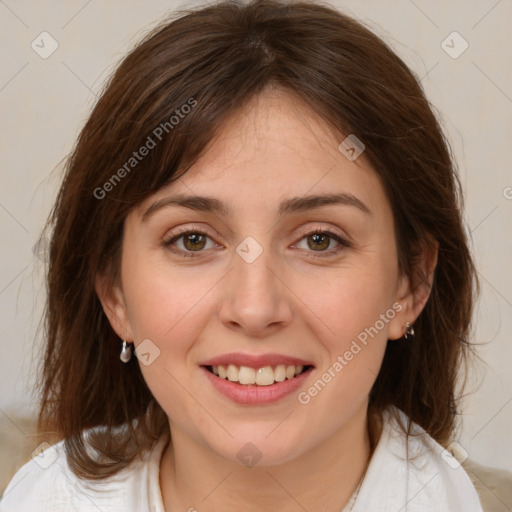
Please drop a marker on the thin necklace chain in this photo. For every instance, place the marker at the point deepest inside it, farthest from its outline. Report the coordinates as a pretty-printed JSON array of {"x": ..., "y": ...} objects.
[{"x": 356, "y": 493}]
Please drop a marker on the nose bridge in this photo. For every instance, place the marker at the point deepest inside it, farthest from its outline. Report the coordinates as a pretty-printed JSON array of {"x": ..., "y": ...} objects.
[
  {"x": 253, "y": 262},
  {"x": 257, "y": 296}
]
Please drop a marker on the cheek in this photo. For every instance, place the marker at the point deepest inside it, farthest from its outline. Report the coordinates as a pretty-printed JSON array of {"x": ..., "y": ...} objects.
[
  {"x": 346, "y": 301},
  {"x": 160, "y": 297},
  {"x": 349, "y": 312},
  {"x": 165, "y": 306},
  {"x": 352, "y": 325}
]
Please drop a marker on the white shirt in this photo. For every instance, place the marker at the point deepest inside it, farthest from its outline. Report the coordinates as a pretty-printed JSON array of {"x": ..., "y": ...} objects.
[{"x": 434, "y": 482}]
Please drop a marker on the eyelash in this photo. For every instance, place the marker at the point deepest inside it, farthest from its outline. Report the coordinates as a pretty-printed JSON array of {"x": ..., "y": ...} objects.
[{"x": 343, "y": 244}]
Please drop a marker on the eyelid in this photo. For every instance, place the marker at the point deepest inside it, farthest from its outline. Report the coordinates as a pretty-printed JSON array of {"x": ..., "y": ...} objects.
[
  {"x": 188, "y": 229},
  {"x": 176, "y": 235},
  {"x": 342, "y": 240},
  {"x": 304, "y": 231}
]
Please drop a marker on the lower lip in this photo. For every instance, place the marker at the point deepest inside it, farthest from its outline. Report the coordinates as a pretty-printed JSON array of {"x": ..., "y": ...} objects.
[{"x": 252, "y": 394}]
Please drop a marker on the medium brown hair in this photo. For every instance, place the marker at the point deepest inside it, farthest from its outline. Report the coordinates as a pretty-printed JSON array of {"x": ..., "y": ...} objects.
[{"x": 217, "y": 58}]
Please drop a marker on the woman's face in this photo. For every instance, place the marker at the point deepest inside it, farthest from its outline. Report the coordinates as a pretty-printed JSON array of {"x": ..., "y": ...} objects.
[{"x": 251, "y": 280}]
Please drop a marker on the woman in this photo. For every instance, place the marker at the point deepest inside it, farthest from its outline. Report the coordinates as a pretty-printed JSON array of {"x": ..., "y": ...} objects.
[{"x": 259, "y": 286}]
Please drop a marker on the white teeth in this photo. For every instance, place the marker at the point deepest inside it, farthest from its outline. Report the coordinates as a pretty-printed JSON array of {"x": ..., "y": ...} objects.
[
  {"x": 232, "y": 373},
  {"x": 247, "y": 375},
  {"x": 265, "y": 376},
  {"x": 290, "y": 372},
  {"x": 280, "y": 373}
]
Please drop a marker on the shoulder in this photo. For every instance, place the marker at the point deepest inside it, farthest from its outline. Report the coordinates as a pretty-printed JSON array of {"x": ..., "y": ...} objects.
[
  {"x": 436, "y": 473},
  {"x": 47, "y": 483},
  {"x": 421, "y": 474},
  {"x": 37, "y": 483}
]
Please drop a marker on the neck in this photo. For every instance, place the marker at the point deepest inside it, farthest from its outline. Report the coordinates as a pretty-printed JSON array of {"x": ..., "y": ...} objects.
[{"x": 324, "y": 478}]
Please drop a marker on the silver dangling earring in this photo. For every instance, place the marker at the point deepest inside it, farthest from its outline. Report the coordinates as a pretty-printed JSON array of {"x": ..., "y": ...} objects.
[
  {"x": 126, "y": 352},
  {"x": 409, "y": 331}
]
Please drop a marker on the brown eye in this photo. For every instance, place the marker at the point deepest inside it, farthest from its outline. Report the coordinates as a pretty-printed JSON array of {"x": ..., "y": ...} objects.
[
  {"x": 319, "y": 241},
  {"x": 192, "y": 242}
]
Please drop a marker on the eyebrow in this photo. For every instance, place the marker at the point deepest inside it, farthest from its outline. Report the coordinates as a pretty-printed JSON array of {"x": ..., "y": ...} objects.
[{"x": 286, "y": 207}]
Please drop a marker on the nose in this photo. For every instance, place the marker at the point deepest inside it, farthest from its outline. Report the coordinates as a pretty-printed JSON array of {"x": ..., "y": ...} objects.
[{"x": 256, "y": 300}]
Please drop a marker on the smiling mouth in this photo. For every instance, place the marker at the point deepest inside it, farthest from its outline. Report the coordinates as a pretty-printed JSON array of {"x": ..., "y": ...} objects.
[{"x": 264, "y": 376}]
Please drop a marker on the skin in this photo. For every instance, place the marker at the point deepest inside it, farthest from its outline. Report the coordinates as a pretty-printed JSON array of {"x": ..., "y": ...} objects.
[{"x": 293, "y": 299}]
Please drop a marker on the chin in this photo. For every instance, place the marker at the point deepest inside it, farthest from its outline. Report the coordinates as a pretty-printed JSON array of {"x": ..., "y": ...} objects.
[{"x": 260, "y": 449}]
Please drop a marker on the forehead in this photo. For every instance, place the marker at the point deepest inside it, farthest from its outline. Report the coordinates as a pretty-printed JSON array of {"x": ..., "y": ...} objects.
[{"x": 275, "y": 147}]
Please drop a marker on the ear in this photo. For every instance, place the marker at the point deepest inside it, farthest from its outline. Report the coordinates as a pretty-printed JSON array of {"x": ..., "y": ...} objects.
[
  {"x": 413, "y": 293},
  {"x": 112, "y": 300}
]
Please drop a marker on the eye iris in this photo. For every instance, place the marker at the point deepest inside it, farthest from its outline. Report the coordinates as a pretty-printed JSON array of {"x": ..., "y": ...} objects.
[
  {"x": 195, "y": 241},
  {"x": 194, "y": 238},
  {"x": 317, "y": 238}
]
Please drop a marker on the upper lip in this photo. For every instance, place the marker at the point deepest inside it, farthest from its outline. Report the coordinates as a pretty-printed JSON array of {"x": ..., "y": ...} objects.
[{"x": 255, "y": 361}]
